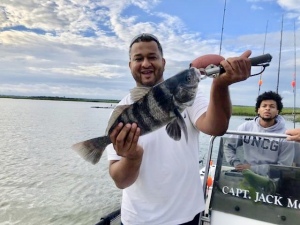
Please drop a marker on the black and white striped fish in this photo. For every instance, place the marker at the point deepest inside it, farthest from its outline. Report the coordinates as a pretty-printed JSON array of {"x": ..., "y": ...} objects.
[{"x": 153, "y": 108}]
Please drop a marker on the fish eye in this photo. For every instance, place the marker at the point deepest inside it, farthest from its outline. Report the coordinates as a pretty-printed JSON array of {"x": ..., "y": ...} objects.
[{"x": 188, "y": 78}]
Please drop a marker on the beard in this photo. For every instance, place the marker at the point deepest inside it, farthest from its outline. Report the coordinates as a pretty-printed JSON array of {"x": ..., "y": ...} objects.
[{"x": 267, "y": 119}]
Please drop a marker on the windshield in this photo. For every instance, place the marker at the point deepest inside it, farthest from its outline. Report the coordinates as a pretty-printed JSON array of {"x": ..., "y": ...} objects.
[{"x": 267, "y": 188}]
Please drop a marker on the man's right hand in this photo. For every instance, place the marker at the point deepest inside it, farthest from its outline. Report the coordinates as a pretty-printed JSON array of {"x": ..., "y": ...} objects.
[{"x": 241, "y": 167}]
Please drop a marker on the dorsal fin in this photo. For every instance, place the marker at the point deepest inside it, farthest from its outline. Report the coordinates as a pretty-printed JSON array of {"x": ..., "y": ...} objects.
[
  {"x": 115, "y": 114},
  {"x": 139, "y": 92},
  {"x": 135, "y": 94}
]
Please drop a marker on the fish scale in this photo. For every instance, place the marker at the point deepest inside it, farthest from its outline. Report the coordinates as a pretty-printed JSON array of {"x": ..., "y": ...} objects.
[{"x": 158, "y": 111}]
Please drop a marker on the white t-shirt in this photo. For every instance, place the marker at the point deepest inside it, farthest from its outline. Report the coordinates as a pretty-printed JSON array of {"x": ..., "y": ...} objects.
[{"x": 168, "y": 189}]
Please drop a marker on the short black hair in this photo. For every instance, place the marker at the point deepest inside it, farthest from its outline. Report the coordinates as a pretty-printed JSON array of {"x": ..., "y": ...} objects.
[
  {"x": 145, "y": 37},
  {"x": 270, "y": 95}
]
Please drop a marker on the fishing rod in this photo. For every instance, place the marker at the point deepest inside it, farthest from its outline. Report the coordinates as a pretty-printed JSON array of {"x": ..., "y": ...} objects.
[
  {"x": 260, "y": 78},
  {"x": 294, "y": 78},
  {"x": 215, "y": 71},
  {"x": 278, "y": 75},
  {"x": 221, "y": 41}
]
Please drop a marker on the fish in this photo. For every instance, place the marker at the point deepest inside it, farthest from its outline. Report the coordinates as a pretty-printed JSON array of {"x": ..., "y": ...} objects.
[
  {"x": 256, "y": 183},
  {"x": 152, "y": 108}
]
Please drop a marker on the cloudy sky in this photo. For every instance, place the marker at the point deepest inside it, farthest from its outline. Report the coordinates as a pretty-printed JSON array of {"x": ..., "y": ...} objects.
[{"x": 79, "y": 48}]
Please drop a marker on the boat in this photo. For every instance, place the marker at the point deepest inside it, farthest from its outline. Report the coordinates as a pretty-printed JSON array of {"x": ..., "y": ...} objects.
[
  {"x": 227, "y": 192},
  {"x": 236, "y": 198},
  {"x": 113, "y": 218},
  {"x": 103, "y": 107}
]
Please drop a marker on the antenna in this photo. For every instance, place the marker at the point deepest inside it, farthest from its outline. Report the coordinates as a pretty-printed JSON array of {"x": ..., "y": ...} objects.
[
  {"x": 222, "y": 28},
  {"x": 295, "y": 70},
  {"x": 260, "y": 80},
  {"x": 279, "y": 56}
]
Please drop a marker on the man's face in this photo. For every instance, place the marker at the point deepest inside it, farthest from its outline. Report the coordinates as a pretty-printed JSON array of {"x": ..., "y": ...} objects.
[
  {"x": 268, "y": 110},
  {"x": 146, "y": 63}
]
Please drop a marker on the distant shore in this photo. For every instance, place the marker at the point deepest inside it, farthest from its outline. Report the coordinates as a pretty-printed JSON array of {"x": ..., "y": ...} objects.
[
  {"x": 60, "y": 99},
  {"x": 249, "y": 112},
  {"x": 237, "y": 110}
]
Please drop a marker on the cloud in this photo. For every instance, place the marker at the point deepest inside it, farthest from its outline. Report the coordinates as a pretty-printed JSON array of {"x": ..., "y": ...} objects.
[
  {"x": 74, "y": 48},
  {"x": 290, "y": 5},
  {"x": 256, "y": 7}
]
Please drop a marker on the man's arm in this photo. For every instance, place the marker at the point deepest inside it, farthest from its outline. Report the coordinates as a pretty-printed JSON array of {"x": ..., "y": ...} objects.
[
  {"x": 125, "y": 171},
  {"x": 294, "y": 134},
  {"x": 216, "y": 119},
  {"x": 231, "y": 145}
]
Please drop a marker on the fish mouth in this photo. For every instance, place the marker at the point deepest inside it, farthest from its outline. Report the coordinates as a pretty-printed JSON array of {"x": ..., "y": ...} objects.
[
  {"x": 186, "y": 95},
  {"x": 190, "y": 86},
  {"x": 197, "y": 74}
]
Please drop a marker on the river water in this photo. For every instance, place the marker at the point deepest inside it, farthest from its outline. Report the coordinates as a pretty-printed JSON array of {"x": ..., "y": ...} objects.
[{"x": 42, "y": 181}]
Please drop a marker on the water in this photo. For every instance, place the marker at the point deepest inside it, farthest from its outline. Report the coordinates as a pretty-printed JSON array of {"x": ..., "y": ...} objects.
[
  {"x": 235, "y": 121},
  {"x": 42, "y": 181}
]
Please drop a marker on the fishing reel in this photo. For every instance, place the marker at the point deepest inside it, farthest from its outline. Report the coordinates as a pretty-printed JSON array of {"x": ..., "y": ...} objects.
[{"x": 214, "y": 71}]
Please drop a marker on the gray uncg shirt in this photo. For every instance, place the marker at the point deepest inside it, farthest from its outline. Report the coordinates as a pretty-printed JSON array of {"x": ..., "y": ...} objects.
[{"x": 259, "y": 152}]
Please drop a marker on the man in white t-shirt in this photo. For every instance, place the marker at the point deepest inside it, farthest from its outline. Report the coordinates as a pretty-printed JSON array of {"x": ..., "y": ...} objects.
[{"x": 159, "y": 176}]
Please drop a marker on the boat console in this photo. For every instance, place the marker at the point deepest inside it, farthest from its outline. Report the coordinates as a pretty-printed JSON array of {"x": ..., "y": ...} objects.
[{"x": 270, "y": 196}]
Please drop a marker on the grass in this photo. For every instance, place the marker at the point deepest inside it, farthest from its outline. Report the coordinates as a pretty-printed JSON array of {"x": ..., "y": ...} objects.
[
  {"x": 249, "y": 111},
  {"x": 237, "y": 110}
]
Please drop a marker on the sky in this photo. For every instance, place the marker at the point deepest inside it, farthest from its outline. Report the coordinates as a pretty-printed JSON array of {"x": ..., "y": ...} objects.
[{"x": 79, "y": 48}]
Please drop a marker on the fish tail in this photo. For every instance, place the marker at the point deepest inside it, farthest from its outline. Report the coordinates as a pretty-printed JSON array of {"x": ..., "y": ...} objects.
[{"x": 91, "y": 150}]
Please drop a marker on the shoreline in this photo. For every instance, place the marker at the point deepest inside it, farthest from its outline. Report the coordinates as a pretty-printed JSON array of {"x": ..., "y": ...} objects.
[
  {"x": 60, "y": 99},
  {"x": 237, "y": 110}
]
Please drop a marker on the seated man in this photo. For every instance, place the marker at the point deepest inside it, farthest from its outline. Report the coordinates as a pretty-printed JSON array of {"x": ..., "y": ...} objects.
[{"x": 259, "y": 152}]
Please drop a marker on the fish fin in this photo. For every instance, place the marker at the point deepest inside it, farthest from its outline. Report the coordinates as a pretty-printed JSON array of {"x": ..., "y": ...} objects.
[
  {"x": 181, "y": 123},
  {"x": 139, "y": 92},
  {"x": 135, "y": 94},
  {"x": 115, "y": 114},
  {"x": 91, "y": 150},
  {"x": 173, "y": 130},
  {"x": 175, "y": 126}
]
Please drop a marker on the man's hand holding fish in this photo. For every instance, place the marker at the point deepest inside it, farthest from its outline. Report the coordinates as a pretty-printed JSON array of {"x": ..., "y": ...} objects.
[{"x": 152, "y": 137}]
